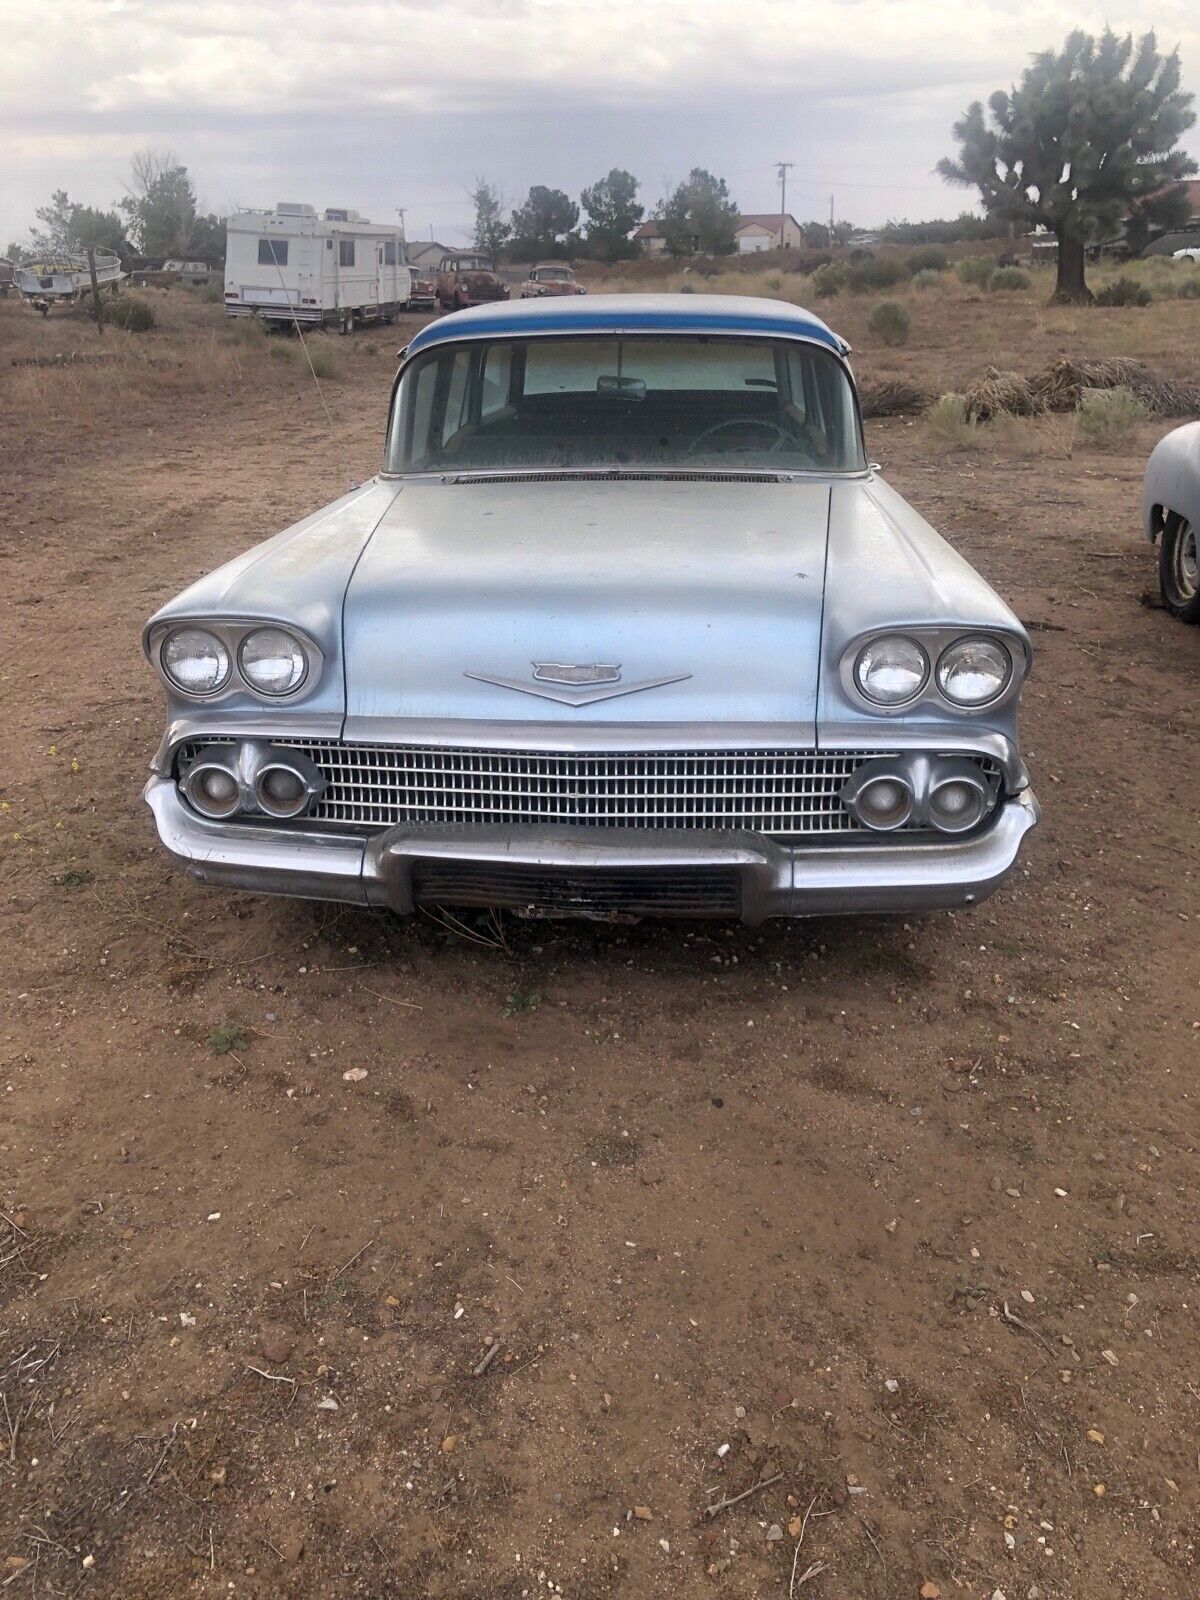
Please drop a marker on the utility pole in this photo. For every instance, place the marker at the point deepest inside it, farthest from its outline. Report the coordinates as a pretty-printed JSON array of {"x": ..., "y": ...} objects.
[
  {"x": 400, "y": 210},
  {"x": 831, "y": 238},
  {"x": 782, "y": 168}
]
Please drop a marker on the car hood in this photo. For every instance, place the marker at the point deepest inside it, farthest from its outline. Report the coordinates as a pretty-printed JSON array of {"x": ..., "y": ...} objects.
[{"x": 703, "y": 595}]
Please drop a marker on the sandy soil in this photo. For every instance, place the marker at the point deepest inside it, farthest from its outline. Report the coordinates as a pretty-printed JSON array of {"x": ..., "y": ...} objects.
[{"x": 894, "y": 1220}]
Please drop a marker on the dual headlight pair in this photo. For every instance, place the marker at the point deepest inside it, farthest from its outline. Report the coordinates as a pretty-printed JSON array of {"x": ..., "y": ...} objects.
[
  {"x": 270, "y": 661},
  {"x": 971, "y": 672}
]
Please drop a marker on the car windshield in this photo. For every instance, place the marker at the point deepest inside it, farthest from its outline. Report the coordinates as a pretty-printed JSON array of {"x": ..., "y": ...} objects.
[
  {"x": 676, "y": 401},
  {"x": 474, "y": 264}
]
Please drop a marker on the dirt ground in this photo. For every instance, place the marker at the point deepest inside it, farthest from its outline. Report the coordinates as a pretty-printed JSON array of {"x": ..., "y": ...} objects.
[{"x": 888, "y": 1227}]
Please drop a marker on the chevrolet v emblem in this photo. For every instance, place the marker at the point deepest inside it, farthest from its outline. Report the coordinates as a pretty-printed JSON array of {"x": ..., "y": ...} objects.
[
  {"x": 566, "y": 672},
  {"x": 575, "y": 683}
]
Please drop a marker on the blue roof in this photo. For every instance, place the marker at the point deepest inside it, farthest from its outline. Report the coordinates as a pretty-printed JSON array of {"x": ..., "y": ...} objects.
[{"x": 630, "y": 313}]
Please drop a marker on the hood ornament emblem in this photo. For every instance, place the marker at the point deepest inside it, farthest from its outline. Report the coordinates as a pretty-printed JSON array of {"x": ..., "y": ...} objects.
[
  {"x": 571, "y": 683},
  {"x": 568, "y": 672}
]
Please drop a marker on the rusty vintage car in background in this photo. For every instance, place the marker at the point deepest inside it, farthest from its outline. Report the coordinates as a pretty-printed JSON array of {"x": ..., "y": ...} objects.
[
  {"x": 422, "y": 296},
  {"x": 468, "y": 279},
  {"x": 550, "y": 278}
]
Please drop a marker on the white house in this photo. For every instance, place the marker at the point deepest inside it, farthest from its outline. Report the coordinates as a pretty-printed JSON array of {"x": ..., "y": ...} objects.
[
  {"x": 756, "y": 230},
  {"x": 766, "y": 230}
]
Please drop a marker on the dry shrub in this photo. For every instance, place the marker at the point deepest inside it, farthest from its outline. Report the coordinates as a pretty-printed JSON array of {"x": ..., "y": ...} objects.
[
  {"x": 1062, "y": 385},
  {"x": 891, "y": 398},
  {"x": 1002, "y": 392},
  {"x": 927, "y": 278},
  {"x": 1189, "y": 289},
  {"x": 246, "y": 330},
  {"x": 1009, "y": 278},
  {"x": 948, "y": 423},
  {"x": 889, "y": 323},
  {"x": 929, "y": 258},
  {"x": 976, "y": 271},
  {"x": 1124, "y": 291},
  {"x": 878, "y": 272},
  {"x": 1108, "y": 419},
  {"x": 320, "y": 352},
  {"x": 830, "y": 279}
]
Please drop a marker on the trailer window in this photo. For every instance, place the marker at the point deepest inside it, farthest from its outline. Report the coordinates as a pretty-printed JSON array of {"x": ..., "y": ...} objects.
[
  {"x": 389, "y": 253},
  {"x": 345, "y": 252},
  {"x": 272, "y": 252}
]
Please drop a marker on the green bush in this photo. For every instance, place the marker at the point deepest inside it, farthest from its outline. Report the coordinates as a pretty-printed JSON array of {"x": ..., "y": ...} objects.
[
  {"x": 889, "y": 323},
  {"x": 880, "y": 272},
  {"x": 1009, "y": 278},
  {"x": 1108, "y": 418},
  {"x": 927, "y": 278},
  {"x": 928, "y": 259},
  {"x": 976, "y": 270},
  {"x": 1124, "y": 292},
  {"x": 947, "y": 421},
  {"x": 830, "y": 279},
  {"x": 135, "y": 316},
  {"x": 1189, "y": 289}
]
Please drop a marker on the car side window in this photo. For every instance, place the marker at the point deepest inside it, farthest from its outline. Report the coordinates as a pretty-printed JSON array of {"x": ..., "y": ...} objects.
[{"x": 495, "y": 381}]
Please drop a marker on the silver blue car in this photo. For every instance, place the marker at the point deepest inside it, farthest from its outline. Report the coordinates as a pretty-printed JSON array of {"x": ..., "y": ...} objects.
[{"x": 626, "y": 625}]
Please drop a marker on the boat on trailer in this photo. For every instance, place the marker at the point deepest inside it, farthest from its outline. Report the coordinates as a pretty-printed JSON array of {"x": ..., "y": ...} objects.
[{"x": 65, "y": 279}]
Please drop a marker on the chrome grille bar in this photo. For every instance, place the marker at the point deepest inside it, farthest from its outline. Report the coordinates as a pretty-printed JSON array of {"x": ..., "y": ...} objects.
[{"x": 779, "y": 793}]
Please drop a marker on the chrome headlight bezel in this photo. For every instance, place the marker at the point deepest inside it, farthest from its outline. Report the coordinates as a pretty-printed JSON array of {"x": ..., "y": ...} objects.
[
  {"x": 292, "y": 688},
  {"x": 920, "y": 664},
  {"x": 220, "y": 650},
  {"x": 231, "y": 635},
  {"x": 936, "y": 641},
  {"x": 964, "y": 640}
]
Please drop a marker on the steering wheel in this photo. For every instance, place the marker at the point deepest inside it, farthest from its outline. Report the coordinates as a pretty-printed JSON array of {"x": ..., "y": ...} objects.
[{"x": 779, "y": 437}]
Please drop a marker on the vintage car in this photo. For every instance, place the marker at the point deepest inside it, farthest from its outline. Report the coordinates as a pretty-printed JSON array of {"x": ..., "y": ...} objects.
[
  {"x": 549, "y": 279},
  {"x": 1171, "y": 501},
  {"x": 468, "y": 279},
  {"x": 422, "y": 296},
  {"x": 626, "y": 624}
]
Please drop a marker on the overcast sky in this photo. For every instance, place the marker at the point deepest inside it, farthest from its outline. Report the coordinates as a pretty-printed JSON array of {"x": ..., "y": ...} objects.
[{"x": 379, "y": 104}]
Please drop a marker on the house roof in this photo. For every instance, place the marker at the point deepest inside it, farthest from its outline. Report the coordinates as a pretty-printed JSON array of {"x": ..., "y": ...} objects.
[
  {"x": 648, "y": 230},
  {"x": 764, "y": 219},
  {"x": 630, "y": 313}
]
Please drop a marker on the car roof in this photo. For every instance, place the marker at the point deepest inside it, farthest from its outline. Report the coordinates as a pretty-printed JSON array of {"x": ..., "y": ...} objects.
[{"x": 631, "y": 313}]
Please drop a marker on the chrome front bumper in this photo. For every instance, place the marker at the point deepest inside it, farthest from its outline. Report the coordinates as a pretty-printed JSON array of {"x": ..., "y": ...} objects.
[{"x": 773, "y": 879}]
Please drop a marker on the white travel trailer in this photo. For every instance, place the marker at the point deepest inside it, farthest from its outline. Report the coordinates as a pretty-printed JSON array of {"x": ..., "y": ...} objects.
[{"x": 291, "y": 265}]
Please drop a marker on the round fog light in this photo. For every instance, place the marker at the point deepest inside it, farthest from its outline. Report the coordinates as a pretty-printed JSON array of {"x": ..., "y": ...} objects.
[
  {"x": 885, "y": 803},
  {"x": 213, "y": 791},
  {"x": 281, "y": 792},
  {"x": 956, "y": 805}
]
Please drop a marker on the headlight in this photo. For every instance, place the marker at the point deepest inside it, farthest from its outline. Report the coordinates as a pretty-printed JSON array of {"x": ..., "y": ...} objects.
[
  {"x": 272, "y": 661},
  {"x": 973, "y": 672},
  {"x": 195, "y": 660},
  {"x": 891, "y": 670}
]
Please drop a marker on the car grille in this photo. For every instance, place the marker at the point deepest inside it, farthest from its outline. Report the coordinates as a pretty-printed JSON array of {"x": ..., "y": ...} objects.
[
  {"x": 785, "y": 794},
  {"x": 599, "y": 891}
]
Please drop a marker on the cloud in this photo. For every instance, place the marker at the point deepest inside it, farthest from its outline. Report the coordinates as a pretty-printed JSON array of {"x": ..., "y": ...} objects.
[{"x": 389, "y": 100}]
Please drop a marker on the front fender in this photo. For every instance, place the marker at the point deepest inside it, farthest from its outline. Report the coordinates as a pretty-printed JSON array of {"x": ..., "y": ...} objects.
[{"x": 1172, "y": 481}]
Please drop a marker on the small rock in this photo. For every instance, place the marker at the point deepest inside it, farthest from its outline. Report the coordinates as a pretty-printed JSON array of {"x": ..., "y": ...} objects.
[
  {"x": 930, "y": 1591},
  {"x": 722, "y": 1450},
  {"x": 354, "y": 1074},
  {"x": 665, "y": 1546},
  {"x": 1095, "y": 1436},
  {"x": 774, "y": 1533},
  {"x": 277, "y": 1348},
  {"x": 448, "y": 1443},
  {"x": 89, "y": 1562},
  {"x": 1099, "y": 1490},
  {"x": 291, "y": 1548},
  {"x": 328, "y": 1404},
  {"x": 891, "y": 1385},
  {"x": 217, "y": 1476},
  {"x": 795, "y": 1527},
  {"x": 643, "y": 1513},
  {"x": 1111, "y": 1357},
  {"x": 1027, "y": 1297},
  {"x": 1013, "y": 1194}
]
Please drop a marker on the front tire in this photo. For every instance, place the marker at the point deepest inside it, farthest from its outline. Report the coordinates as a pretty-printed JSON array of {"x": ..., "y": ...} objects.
[{"x": 1178, "y": 569}]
